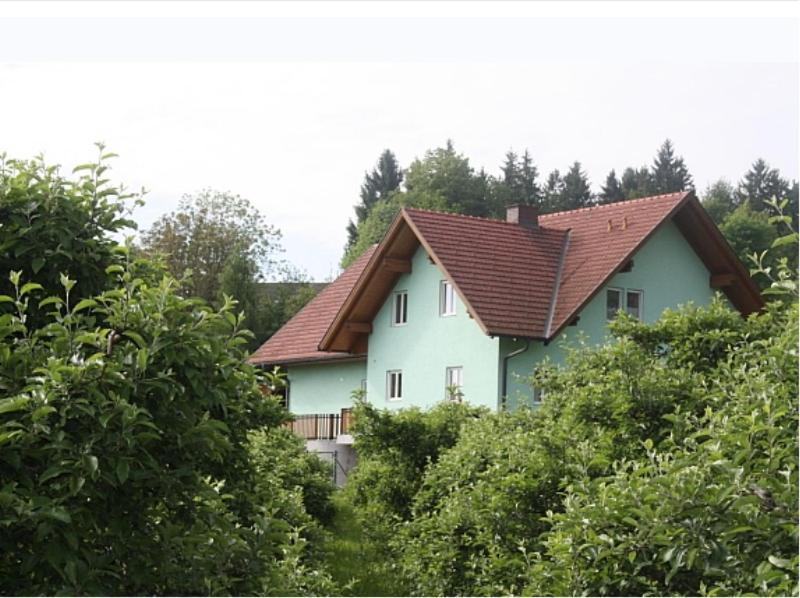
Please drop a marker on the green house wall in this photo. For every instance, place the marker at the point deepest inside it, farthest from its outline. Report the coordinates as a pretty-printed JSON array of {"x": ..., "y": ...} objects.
[
  {"x": 429, "y": 343},
  {"x": 666, "y": 268},
  {"x": 324, "y": 387}
]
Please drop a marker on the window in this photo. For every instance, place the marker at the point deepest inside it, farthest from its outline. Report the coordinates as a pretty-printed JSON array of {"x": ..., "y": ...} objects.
[
  {"x": 613, "y": 303},
  {"x": 447, "y": 299},
  {"x": 394, "y": 385},
  {"x": 400, "y": 309},
  {"x": 633, "y": 304},
  {"x": 453, "y": 382},
  {"x": 538, "y": 396}
]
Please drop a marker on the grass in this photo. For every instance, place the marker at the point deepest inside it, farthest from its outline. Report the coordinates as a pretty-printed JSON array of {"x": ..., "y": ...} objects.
[{"x": 352, "y": 559}]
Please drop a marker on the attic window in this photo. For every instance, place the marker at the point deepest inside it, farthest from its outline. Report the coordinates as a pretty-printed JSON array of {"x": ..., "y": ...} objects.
[
  {"x": 400, "y": 308},
  {"x": 633, "y": 303},
  {"x": 613, "y": 303},
  {"x": 447, "y": 299}
]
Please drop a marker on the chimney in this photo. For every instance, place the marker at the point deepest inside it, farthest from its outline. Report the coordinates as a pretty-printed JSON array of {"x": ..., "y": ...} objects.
[{"x": 524, "y": 215}]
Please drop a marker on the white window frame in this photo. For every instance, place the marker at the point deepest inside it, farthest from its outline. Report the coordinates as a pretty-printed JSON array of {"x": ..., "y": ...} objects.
[
  {"x": 639, "y": 292},
  {"x": 389, "y": 375},
  {"x": 622, "y": 302},
  {"x": 404, "y": 310},
  {"x": 443, "y": 307},
  {"x": 448, "y": 371}
]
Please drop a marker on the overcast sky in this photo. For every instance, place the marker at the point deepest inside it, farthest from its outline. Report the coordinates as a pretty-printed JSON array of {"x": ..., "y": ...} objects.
[{"x": 290, "y": 112}]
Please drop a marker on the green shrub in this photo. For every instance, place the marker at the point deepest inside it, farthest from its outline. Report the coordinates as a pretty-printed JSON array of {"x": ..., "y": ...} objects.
[
  {"x": 125, "y": 415},
  {"x": 712, "y": 513}
]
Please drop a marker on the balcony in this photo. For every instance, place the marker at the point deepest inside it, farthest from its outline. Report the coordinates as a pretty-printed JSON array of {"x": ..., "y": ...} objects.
[{"x": 324, "y": 426}]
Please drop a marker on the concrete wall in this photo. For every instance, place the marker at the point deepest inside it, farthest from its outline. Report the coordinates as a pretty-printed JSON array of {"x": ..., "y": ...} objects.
[
  {"x": 427, "y": 344},
  {"x": 324, "y": 387},
  {"x": 668, "y": 271},
  {"x": 342, "y": 457}
]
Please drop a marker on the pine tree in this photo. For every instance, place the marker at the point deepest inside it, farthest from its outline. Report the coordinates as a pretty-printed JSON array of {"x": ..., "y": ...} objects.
[
  {"x": 530, "y": 192},
  {"x": 636, "y": 183},
  {"x": 612, "y": 190},
  {"x": 669, "y": 173},
  {"x": 760, "y": 184},
  {"x": 577, "y": 192},
  {"x": 553, "y": 192},
  {"x": 378, "y": 185}
]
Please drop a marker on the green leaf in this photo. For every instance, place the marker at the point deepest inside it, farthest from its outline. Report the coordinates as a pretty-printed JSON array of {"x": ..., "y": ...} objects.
[
  {"x": 135, "y": 337},
  {"x": 781, "y": 563},
  {"x": 50, "y": 300},
  {"x": 84, "y": 304},
  {"x": 30, "y": 286},
  {"x": 122, "y": 471},
  {"x": 114, "y": 268},
  {"x": 787, "y": 240},
  {"x": 6, "y": 299},
  {"x": 141, "y": 359},
  {"x": 91, "y": 463},
  {"x": 37, "y": 264},
  {"x": 13, "y": 404},
  {"x": 59, "y": 514}
]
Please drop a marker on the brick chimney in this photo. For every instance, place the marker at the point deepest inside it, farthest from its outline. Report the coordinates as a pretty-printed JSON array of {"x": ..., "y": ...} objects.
[{"x": 524, "y": 215}]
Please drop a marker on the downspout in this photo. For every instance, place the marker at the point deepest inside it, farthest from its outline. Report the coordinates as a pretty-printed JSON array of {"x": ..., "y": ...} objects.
[{"x": 504, "y": 387}]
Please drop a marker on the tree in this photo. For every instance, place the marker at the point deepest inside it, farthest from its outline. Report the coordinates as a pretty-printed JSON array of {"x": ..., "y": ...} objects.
[
  {"x": 205, "y": 232},
  {"x": 553, "y": 192},
  {"x": 669, "y": 173},
  {"x": 384, "y": 179},
  {"x": 577, "y": 191},
  {"x": 51, "y": 224},
  {"x": 125, "y": 416},
  {"x": 445, "y": 173},
  {"x": 612, "y": 190},
  {"x": 760, "y": 184},
  {"x": 750, "y": 232},
  {"x": 719, "y": 200},
  {"x": 636, "y": 183}
]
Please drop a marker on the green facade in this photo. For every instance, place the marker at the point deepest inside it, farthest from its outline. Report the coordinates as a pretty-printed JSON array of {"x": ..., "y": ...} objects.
[
  {"x": 428, "y": 344},
  {"x": 666, "y": 270}
]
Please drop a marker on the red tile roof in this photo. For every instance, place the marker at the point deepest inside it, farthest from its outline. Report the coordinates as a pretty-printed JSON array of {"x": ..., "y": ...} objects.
[
  {"x": 515, "y": 281},
  {"x": 298, "y": 340},
  {"x": 505, "y": 272},
  {"x": 600, "y": 239}
]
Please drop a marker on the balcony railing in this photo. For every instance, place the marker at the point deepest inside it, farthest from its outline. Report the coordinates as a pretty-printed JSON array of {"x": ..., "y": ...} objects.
[{"x": 322, "y": 426}]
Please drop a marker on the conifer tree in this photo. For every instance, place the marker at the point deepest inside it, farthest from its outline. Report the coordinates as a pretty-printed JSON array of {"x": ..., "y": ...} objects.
[
  {"x": 760, "y": 184},
  {"x": 553, "y": 192},
  {"x": 612, "y": 190},
  {"x": 669, "y": 173},
  {"x": 378, "y": 185},
  {"x": 636, "y": 183},
  {"x": 577, "y": 192}
]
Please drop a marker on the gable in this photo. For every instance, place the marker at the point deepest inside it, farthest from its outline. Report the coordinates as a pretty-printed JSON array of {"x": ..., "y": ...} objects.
[{"x": 531, "y": 282}]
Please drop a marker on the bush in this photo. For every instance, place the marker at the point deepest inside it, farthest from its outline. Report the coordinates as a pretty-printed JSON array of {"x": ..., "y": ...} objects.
[
  {"x": 714, "y": 513},
  {"x": 665, "y": 462},
  {"x": 125, "y": 417}
]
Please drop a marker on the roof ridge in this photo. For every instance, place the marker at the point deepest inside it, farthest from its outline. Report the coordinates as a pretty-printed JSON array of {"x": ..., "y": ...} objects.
[
  {"x": 548, "y": 214},
  {"x": 614, "y": 203}
]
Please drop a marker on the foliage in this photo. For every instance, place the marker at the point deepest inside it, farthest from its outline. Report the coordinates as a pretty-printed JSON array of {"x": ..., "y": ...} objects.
[
  {"x": 663, "y": 463},
  {"x": 516, "y": 184},
  {"x": 612, "y": 190},
  {"x": 394, "y": 449},
  {"x": 712, "y": 512},
  {"x": 50, "y": 224},
  {"x": 669, "y": 173},
  {"x": 126, "y": 465},
  {"x": 383, "y": 214},
  {"x": 384, "y": 179},
  {"x": 719, "y": 200},
  {"x": 207, "y": 232}
]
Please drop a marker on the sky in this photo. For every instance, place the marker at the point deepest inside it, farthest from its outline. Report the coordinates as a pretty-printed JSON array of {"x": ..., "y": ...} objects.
[{"x": 289, "y": 109}]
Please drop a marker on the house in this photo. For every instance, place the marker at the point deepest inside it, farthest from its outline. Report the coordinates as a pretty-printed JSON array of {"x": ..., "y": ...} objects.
[{"x": 450, "y": 305}]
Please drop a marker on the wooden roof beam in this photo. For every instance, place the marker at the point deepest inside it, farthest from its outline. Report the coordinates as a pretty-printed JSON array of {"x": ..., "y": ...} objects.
[
  {"x": 396, "y": 265},
  {"x": 358, "y": 327},
  {"x": 719, "y": 281}
]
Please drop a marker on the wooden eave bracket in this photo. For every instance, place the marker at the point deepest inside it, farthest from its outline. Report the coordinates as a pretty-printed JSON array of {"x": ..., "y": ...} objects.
[
  {"x": 396, "y": 265},
  {"x": 719, "y": 281},
  {"x": 358, "y": 327}
]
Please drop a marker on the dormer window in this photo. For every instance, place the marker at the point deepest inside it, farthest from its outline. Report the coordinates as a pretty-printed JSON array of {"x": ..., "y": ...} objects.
[
  {"x": 400, "y": 308},
  {"x": 447, "y": 299}
]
